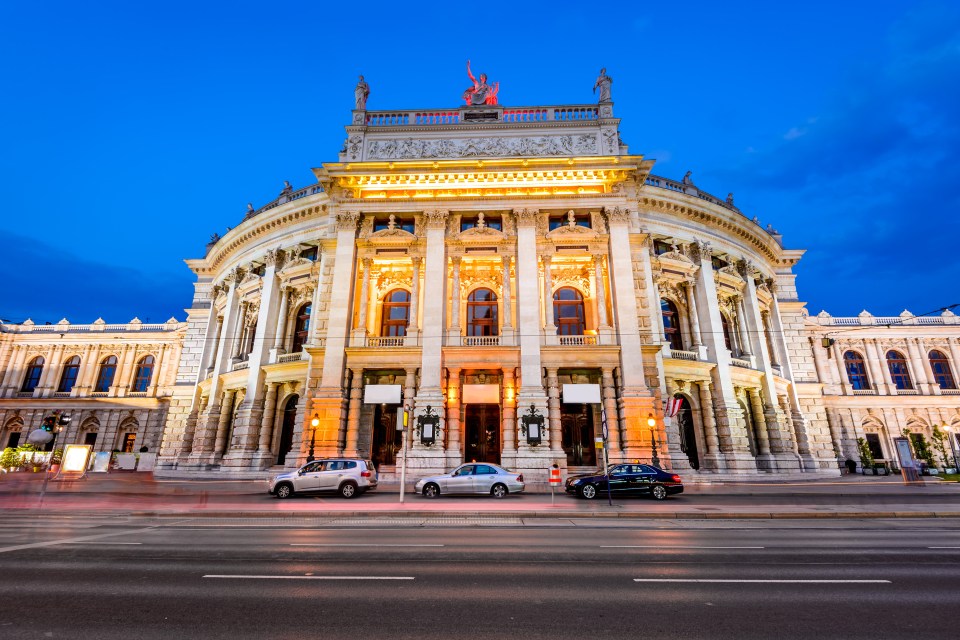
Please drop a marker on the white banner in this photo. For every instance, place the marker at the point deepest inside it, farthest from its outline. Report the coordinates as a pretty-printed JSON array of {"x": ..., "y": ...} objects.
[
  {"x": 481, "y": 394},
  {"x": 581, "y": 393},
  {"x": 382, "y": 394}
]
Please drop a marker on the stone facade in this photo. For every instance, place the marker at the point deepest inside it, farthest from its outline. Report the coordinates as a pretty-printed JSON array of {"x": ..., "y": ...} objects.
[{"x": 481, "y": 258}]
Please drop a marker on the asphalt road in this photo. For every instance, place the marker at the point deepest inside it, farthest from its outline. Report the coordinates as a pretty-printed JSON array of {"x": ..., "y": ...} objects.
[{"x": 493, "y": 577}]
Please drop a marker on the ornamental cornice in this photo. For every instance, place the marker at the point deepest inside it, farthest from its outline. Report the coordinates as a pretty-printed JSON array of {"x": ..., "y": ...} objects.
[
  {"x": 726, "y": 225},
  {"x": 261, "y": 228}
]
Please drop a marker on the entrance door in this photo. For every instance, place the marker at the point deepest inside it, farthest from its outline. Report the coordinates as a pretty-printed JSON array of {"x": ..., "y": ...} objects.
[
  {"x": 14, "y": 440},
  {"x": 688, "y": 434},
  {"x": 576, "y": 426},
  {"x": 286, "y": 430},
  {"x": 386, "y": 439},
  {"x": 482, "y": 433},
  {"x": 90, "y": 438}
]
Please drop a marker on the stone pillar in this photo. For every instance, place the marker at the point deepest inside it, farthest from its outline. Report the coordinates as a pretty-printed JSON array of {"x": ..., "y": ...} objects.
[
  {"x": 269, "y": 419},
  {"x": 361, "y": 329},
  {"x": 454, "y": 454},
  {"x": 877, "y": 358},
  {"x": 601, "y": 297},
  {"x": 637, "y": 400},
  {"x": 315, "y": 310},
  {"x": 353, "y": 413},
  {"x": 553, "y": 410},
  {"x": 413, "y": 326},
  {"x": 742, "y": 330},
  {"x": 223, "y": 424},
  {"x": 730, "y": 424},
  {"x": 279, "y": 340},
  {"x": 409, "y": 395},
  {"x": 711, "y": 459},
  {"x": 509, "y": 417},
  {"x": 924, "y": 371},
  {"x": 507, "y": 302},
  {"x": 455, "y": 300},
  {"x": 694, "y": 316},
  {"x": 549, "y": 322},
  {"x": 760, "y": 424},
  {"x": 608, "y": 393},
  {"x": 124, "y": 376},
  {"x": 327, "y": 402},
  {"x": 770, "y": 342}
]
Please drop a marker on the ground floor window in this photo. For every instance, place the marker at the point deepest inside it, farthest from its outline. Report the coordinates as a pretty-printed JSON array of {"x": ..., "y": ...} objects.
[
  {"x": 873, "y": 441},
  {"x": 128, "y": 440}
]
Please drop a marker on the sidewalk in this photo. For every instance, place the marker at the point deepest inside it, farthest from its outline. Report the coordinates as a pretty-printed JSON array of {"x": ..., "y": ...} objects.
[{"x": 140, "y": 494}]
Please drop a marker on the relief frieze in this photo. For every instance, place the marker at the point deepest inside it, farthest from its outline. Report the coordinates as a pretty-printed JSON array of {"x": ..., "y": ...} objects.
[{"x": 406, "y": 148}]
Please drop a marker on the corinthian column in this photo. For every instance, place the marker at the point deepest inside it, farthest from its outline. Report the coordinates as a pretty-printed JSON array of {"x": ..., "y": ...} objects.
[
  {"x": 549, "y": 326},
  {"x": 455, "y": 297},
  {"x": 414, "y": 324},
  {"x": 364, "y": 298},
  {"x": 282, "y": 318},
  {"x": 507, "y": 302},
  {"x": 601, "y": 291},
  {"x": 694, "y": 316}
]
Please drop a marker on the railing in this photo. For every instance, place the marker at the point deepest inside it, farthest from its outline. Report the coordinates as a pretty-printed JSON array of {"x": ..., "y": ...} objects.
[
  {"x": 525, "y": 115},
  {"x": 290, "y": 357},
  {"x": 137, "y": 394},
  {"x": 82, "y": 328},
  {"x": 385, "y": 341},
  {"x": 285, "y": 198},
  {"x": 578, "y": 341},
  {"x": 512, "y": 115},
  {"x": 239, "y": 366},
  {"x": 567, "y": 114},
  {"x": 24, "y": 394},
  {"x": 689, "y": 189},
  {"x": 481, "y": 341},
  {"x": 61, "y": 394},
  {"x": 950, "y": 392},
  {"x": 864, "y": 392},
  {"x": 869, "y": 320},
  {"x": 739, "y": 362},
  {"x": 908, "y": 392},
  {"x": 683, "y": 355},
  {"x": 98, "y": 394}
]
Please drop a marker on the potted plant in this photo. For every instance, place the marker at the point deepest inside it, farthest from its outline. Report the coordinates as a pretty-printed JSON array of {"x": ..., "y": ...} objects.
[
  {"x": 10, "y": 459},
  {"x": 939, "y": 443},
  {"x": 866, "y": 457},
  {"x": 56, "y": 458}
]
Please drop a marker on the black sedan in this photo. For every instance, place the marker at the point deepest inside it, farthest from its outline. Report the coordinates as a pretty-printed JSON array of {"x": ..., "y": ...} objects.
[{"x": 626, "y": 479}]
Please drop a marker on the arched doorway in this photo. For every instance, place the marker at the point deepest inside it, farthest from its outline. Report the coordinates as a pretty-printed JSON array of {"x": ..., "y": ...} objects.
[
  {"x": 286, "y": 429},
  {"x": 387, "y": 440},
  {"x": 688, "y": 432},
  {"x": 576, "y": 435}
]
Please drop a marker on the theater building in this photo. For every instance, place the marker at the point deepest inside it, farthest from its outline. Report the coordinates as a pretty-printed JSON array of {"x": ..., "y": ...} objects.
[{"x": 482, "y": 258}]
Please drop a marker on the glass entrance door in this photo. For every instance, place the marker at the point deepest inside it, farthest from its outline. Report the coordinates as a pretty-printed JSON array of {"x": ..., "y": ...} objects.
[
  {"x": 576, "y": 426},
  {"x": 482, "y": 433}
]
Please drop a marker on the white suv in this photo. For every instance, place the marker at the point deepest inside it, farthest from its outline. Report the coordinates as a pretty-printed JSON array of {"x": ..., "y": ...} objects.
[{"x": 347, "y": 476}]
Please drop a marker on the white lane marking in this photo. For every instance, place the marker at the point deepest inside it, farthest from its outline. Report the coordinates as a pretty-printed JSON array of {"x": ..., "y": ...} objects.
[
  {"x": 242, "y": 577},
  {"x": 763, "y": 581},
  {"x": 358, "y": 544},
  {"x": 104, "y": 542},
  {"x": 51, "y": 543},
  {"x": 943, "y": 547},
  {"x": 657, "y": 546}
]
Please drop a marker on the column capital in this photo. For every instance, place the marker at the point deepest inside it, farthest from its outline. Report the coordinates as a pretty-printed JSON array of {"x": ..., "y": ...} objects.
[
  {"x": 436, "y": 218},
  {"x": 617, "y": 215},
  {"x": 347, "y": 220},
  {"x": 274, "y": 258},
  {"x": 526, "y": 217}
]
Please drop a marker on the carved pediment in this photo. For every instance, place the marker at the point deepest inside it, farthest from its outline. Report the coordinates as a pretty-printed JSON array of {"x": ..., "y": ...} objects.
[{"x": 481, "y": 234}]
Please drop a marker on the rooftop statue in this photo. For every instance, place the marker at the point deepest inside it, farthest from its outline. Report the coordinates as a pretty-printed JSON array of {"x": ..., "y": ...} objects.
[
  {"x": 360, "y": 94},
  {"x": 603, "y": 82},
  {"x": 480, "y": 92}
]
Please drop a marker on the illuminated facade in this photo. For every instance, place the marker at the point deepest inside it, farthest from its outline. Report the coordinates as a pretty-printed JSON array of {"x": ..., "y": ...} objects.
[{"x": 481, "y": 258}]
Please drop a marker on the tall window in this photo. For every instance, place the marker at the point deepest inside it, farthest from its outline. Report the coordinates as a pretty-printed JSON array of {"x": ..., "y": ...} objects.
[
  {"x": 32, "y": 379},
  {"x": 898, "y": 370},
  {"x": 671, "y": 324},
  {"x": 301, "y": 328},
  {"x": 108, "y": 369},
  {"x": 856, "y": 370},
  {"x": 143, "y": 375},
  {"x": 482, "y": 313},
  {"x": 568, "y": 312},
  {"x": 69, "y": 376},
  {"x": 725, "y": 325},
  {"x": 942, "y": 374},
  {"x": 396, "y": 313}
]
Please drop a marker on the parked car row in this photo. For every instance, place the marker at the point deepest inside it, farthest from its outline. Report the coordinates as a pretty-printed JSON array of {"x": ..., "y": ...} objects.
[{"x": 350, "y": 477}]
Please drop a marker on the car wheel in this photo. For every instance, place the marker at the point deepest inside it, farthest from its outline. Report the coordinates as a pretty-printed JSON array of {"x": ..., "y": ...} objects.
[
  {"x": 588, "y": 491},
  {"x": 348, "y": 489},
  {"x": 283, "y": 491},
  {"x": 431, "y": 491},
  {"x": 658, "y": 492},
  {"x": 499, "y": 490}
]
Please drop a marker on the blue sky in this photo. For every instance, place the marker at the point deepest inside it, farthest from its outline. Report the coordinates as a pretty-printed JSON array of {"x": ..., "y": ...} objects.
[{"x": 130, "y": 132}]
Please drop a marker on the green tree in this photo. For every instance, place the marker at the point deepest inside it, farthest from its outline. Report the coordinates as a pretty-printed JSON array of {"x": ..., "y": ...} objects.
[
  {"x": 866, "y": 457},
  {"x": 940, "y": 444},
  {"x": 921, "y": 448},
  {"x": 9, "y": 459}
]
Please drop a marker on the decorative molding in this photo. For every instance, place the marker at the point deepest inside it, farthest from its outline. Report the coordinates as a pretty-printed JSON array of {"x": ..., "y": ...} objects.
[
  {"x": 347, "y": 220},
  {"x": 617, "y": 215},
  {"x": 542, "y": 146},
  {"x": 436, "y": 218},
  {"x": 526, "y": 217}
]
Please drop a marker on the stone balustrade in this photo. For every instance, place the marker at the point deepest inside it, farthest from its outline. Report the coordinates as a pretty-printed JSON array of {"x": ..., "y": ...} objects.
[
  {"x": 290, "y": 357},
  {"x": 865, "y": 319},
  {"x": 683, "y": 355},
  {"x": 66, "y": 327},
  {"x": 512, "y": 115}
]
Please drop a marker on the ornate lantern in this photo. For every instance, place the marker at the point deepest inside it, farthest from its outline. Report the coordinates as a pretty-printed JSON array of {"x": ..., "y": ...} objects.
[
  {"x": 532, "y": 426},
  {"x": 428, "y": 424}
]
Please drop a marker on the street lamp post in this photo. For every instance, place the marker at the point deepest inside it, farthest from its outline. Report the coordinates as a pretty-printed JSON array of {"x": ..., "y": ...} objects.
[
  {"x": 652, "y": 423},
  {"x": 314, "y": 422},
  {"x": 953, "y": 446}
]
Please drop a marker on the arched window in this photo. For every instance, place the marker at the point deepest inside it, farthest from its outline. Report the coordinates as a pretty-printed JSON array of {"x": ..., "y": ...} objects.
[
  {"x": 108, "y": 369},
  {"x": 568, "y": 312},
  {"x": 301, "y": 328},
  {"x": 856, "y": 370},
  {"x": 482, "y": 313},
  {"x": 32, "y": 379},
  {"x": 671, "y": 324},
  {"x": 725, "y": 325},
  {"x": 898, "y": 370},
  {"x": 396, "y": 313},
  {"x": 942, "y": 374},
  {"x": 69, "y": 376},
  {"x": 143, "y": 375}
]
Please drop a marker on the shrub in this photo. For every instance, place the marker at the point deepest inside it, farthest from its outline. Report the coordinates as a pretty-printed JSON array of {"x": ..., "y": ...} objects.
[
  {"x": 866, "y": 458},
  {"x": 9, "y": 459}
]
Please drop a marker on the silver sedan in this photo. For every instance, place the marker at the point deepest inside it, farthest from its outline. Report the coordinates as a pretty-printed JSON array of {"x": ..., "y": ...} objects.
[{"x": 474, "y": 477}]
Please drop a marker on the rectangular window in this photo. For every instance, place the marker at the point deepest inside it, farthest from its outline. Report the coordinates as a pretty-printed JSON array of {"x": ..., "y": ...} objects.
[
  {"x": 563, "y": 220},
  {"x": 491, "y": 222},
  {"x": 14, "y": 441},
  {"x": 404, "y": 224},
  {"x": 128, "y": 440},
  {"x": 873, "y": 442},
  {"x": 310, "y": 254}
]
